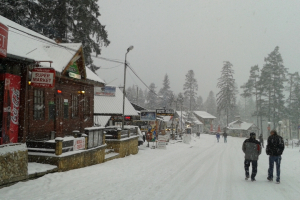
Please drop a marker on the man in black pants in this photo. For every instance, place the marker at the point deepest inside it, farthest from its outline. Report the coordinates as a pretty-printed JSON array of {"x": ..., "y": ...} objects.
[
  {"x": 274, "y": 149},
  {"x": 252, "y": 149}
]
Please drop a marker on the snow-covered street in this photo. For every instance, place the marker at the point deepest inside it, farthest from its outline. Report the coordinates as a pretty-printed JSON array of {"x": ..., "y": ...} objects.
[{"x": 203, "y": 169}]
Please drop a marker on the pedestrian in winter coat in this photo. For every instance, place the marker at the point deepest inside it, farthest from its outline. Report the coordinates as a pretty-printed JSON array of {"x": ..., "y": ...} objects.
[
  {"x": 218, "y": 136},
  {"x": 261, "y": 140},
  {"x": 252, "y": 149},
  {"x": 275, "y": 148},
  {"x": 225, "y": 137}
]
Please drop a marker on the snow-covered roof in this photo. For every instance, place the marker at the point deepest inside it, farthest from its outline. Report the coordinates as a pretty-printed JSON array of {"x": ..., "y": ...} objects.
[
  {"x": 113, "y": 105},
  {"x": 101, "y": 120},
  {"x": 26, "y": 43},
  {"x": 204, "y": 115},
  {"x": 240, "y": 125}
]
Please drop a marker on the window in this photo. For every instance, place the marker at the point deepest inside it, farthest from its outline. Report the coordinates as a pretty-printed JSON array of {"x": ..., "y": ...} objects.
[
  {"x": 86, "y": 107},
  {"x": 66, "y": 109},
  {"x": 74, "y": 106},
  {"x": 38, "y": 105}
]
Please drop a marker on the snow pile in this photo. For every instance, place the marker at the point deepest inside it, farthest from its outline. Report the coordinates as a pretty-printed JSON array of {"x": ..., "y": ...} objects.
[{"x": 11, "y": 148}]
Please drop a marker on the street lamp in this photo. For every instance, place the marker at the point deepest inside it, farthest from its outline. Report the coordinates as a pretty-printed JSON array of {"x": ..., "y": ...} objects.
[
  {"x": 280, "y": 122},
  {"x": 125, "y": 65}
]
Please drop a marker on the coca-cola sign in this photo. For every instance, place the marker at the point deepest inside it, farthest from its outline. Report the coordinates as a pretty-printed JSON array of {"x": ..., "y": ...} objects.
[
  {"x": 3, "y": 40},
  {"x": 43, "y": 77}
]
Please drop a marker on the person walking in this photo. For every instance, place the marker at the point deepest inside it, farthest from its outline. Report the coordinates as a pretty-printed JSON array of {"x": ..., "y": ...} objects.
[
  {"x": 261, "y": 140},
  {"x": 218, "y": 136},
  {"x": 252, "y": 149},
  {"x": 225, "y": 137},
  {"x": 275, "y": 148}
]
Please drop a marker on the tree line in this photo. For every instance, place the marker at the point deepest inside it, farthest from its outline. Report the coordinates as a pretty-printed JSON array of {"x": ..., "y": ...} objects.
[{"x": 271, "y": 95}]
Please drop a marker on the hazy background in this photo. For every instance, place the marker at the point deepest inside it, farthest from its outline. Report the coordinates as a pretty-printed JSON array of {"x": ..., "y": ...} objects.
[{"x": 174, "y": 36}]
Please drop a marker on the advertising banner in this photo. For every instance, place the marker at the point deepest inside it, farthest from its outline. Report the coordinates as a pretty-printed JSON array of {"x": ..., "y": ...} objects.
[
  {"x": 11, "y": 101},
  {"x": 3, "y": 40},
  {"x": 43, "y": 77},
  {"x": 147, "y": 115},
  {"x": 109, "y": 91}
]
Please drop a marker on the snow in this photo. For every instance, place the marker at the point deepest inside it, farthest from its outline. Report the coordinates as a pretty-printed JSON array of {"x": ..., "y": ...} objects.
[
  {"x": 37, "y": 167},
  {"x": 203, "y": 169},
  {"x": 11, "y": 148}
]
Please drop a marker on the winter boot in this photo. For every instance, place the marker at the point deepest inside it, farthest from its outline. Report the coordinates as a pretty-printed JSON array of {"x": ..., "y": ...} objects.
[
  {"x": 247, "y": 177},
  {"x": 253, "y": 179},
  {"x": 270, "y": 179}
]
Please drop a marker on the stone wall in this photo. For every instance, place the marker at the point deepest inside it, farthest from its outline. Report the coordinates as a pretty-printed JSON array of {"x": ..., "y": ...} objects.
[
  {"x": 71, "y": 160},
  {"x": 125, "y": 146},
  {"x": 13, "y": 163}
]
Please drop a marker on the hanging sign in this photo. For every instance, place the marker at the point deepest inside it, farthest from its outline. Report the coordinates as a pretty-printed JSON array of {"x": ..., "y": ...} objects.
[
  {"x": 3, "y": 40},
  {"x": 165, "y": 112},
  {"x": 147, "y": 115},
  {"x": 43, "y": 77}
]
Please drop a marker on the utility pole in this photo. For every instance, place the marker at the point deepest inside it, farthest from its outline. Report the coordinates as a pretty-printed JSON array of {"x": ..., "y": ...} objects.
[{"x": 137, "y": 95}]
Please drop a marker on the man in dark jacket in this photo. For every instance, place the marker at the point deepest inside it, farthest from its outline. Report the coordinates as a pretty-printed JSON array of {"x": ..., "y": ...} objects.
[
  {"x": 252, "y": 149},
  {"x": 274, "y": 149}
]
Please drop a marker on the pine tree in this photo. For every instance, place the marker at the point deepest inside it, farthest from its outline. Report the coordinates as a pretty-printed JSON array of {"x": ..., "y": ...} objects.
[
  {"x": 272, "y": 79},
  {"x": 199, "y": 103},
  {"x": 226, "y": 98},
  {"x": 63, "y": 20},
  {"x": 190, "y": 87},
  {"x": 211, "y": 104},
  {"x": 164, "y": 92},
  {"x": 152, "y": 97}
]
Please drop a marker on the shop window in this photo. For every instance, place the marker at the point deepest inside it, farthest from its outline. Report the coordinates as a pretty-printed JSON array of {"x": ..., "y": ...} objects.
[
  {"x": 51, "y": 110},
  {"x": 74, "y": 106},
  {"x": 38, "y": 104},
  {"x": 66, "y": 109},
  {"x": 86, "y": 107},
  {"x": 60, "y": 110}
]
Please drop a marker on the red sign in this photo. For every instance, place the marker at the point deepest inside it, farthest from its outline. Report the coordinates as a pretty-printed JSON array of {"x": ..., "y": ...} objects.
[
  {"x": 43, "y": 77},
  {"x": 11, "y": 103},
  {"x": 3, "y": 40}
]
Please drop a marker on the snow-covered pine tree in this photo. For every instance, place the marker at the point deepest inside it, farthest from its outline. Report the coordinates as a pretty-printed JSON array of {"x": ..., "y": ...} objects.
[
  {"x": 151, "y": 97},
  {"x": 226, "y": 97},
  {"x": 190, "y": 87},
  {"x": 164, "y": 92},
  {"x": 272, "y": 79}
]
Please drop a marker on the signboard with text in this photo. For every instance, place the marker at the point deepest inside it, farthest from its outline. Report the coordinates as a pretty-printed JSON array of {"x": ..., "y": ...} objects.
[
  {"x": 79, "y": 143},
  {"x": 165, "y": 112},
  {"x": 147, "y": 115},
  {"x": 162, "y": 141},
  {"x": 3, "y": 40},
  {"x": 109, "y": 91},
  {"x": 43, "y": 77}
]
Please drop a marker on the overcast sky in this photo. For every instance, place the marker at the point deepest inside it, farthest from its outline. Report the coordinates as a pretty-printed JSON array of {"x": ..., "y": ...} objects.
[{"x": 174, "y": 36}]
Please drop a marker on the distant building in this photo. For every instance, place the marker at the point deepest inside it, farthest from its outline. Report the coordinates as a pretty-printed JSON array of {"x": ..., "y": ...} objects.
[{"x": 240, "y": 128}]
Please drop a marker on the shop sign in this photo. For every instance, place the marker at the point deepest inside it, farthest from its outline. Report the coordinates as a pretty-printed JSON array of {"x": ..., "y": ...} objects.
[
  {"x": 73, "y": 75},
  {"x": 43, "y": 77},
  {"x": 162, "y": 141},
  {"x": 147, "y": 115},
  {"x": 109, "y": 91},
  {"x": 11, "y": 103},
  {"x": 3, "y": 40},
  {"x": 165, "y": 112},
  {"x": 79, "y": 143}
]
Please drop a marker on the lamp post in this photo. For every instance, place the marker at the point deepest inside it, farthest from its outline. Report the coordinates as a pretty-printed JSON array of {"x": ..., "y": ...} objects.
[
  {"x": 124, "y": 88},
  {"x": 280, "y": 122},
  {"x": 269, "y": 127}
]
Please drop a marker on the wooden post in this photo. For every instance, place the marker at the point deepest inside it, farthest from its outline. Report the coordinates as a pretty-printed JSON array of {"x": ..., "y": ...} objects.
[
  {"x": 103, "y": 137},
  {"x": 119, "y": 134},
  {"x": 58, "y": 147},
  {"x": 85, "y": 139}
]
